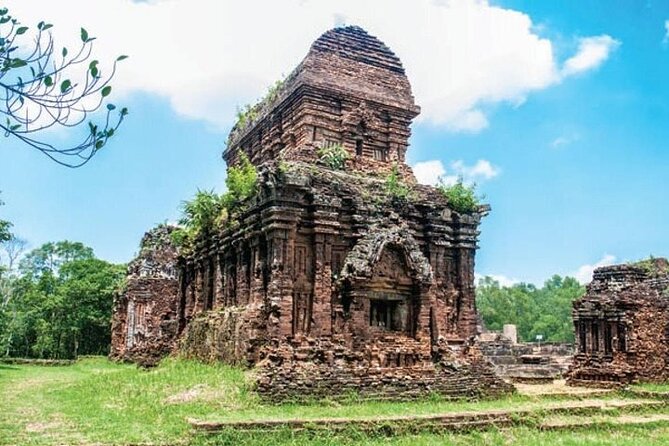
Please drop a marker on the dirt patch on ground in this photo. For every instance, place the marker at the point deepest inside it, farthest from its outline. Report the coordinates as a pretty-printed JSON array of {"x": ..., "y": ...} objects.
[
  {"x": 203, "y": 393},
  {"x": 558, "y": 387},
  {"x": 43, "y": 427}
]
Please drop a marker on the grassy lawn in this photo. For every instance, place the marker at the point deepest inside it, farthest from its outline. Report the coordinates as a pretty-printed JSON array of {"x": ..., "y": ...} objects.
[
  {"x": 98, "y": 402},
  {"x": 653, "y": 435},
  {"x": 652, "y": 387}
]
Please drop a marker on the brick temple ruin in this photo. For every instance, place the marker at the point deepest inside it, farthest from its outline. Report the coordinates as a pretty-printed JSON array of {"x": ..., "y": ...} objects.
[
  {"x": 622, "y": 326},
  {"x": 326, "y": 283}
]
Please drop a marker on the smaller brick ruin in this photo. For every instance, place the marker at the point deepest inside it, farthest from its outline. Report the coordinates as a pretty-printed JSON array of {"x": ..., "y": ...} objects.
[
  {"x": 622, "y": 326},
  {"x": 144, "y": 325}
]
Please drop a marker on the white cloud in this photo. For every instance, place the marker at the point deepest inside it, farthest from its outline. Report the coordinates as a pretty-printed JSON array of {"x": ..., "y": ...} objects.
[
  {"x": 433, "y": 171},
  {"x": 592, "y": 52},
  {"x": 666, "y": 32},
  {"x": 503, "y": 280},
  {"x": 207, "y": 56},
  {"x": 481, "y": 169},
  {"x": 429, "y": 172},
  {"x": 564, "y": 140},
  {"x": 584, "y": 273}
]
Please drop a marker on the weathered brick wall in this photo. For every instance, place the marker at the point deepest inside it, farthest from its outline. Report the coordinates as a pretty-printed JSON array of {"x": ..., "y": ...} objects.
[
  {"x": 225, "y": 335},
  {"x": 350, "y": 90},
  {"x": 144, "y": 323}
]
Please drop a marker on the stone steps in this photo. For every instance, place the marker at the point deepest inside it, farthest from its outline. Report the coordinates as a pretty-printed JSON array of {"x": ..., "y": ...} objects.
[
  {"x": 626, "y": 420},
  {"x": 455, "y": 421}
]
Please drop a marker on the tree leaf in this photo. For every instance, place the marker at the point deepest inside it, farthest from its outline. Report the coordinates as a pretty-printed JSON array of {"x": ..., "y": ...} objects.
[
  {"x": 120, "y": 58},
  {"x": 106, "y": 91},
  {"x": 65, "y": 85},
  {"x": 21, "y": 30},
  {"x": 64, "y": 52},
  {"x": 48, "y": 81},
  {"x": 84, "y": 35},
  {"x": 17, "y": 63},
  {"x": 111, "y": 107}
]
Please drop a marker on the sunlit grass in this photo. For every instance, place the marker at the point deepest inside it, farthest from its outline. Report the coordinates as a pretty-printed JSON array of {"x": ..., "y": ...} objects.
[
  {"x": 99, "y": 402},
  {"x": 652, "y": 387}
]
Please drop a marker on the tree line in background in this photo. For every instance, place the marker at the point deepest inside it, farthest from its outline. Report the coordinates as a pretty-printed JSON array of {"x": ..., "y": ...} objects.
[
  {"x": 544, "y": 311},
  {"x": 56, "y": 300}
]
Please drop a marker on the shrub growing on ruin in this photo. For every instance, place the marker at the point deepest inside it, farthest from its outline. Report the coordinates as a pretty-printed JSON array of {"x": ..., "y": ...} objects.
[
  {"x": 199, "y": 216},
  {"x": 334, "y": 156},
  {"x": 395, "y": 187},
  {"x": 461, "y": 197},
  {"x": 241, "y": 183},
  {"x": 653, "y": 266},
  {"x": 248, "y": 113},
  {"x": 209, "y": 210}
]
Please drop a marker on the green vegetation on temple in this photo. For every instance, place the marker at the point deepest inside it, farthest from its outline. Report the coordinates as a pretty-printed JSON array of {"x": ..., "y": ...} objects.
[
  {"x": 249, "y": 113},
  {"x": 209, "y": 210},
  {"x": 461, "y": 197},
  {"x": 333, "y": 157},
  {"x": 395, "y": 187}
]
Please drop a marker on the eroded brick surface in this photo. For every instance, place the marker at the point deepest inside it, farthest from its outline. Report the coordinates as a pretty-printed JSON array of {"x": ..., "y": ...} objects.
[
  {"x": 144, "y": 324},
  {"x": 326, "y": 283},
  {"x": 622, "y": 325}
]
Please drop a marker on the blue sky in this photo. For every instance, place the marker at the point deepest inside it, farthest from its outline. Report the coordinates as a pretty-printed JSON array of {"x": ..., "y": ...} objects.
[{"x": 575, "y": 163}]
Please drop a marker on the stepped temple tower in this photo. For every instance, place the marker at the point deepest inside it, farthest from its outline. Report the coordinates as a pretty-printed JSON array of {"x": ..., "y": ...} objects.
[
  {"x": 333, "y": 277},
  {"x": 622, "y": 326}
]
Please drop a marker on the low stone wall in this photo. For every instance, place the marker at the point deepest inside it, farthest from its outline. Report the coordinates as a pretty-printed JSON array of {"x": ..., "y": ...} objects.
[
  {"x": 315, "y": 368},
  {"x": 323, "y": 368}
]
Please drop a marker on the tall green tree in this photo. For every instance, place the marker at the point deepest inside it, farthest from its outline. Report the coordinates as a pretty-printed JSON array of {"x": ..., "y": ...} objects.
[
  {"x": 5, "y": 227},
  {"x": 51, "y": 256},
  {"x": 544, "y": 311},
  {"x": 61, "y": 304}
]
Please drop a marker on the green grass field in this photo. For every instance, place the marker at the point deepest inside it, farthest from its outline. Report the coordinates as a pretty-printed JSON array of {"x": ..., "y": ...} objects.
[{"x": 98, "y": 402}]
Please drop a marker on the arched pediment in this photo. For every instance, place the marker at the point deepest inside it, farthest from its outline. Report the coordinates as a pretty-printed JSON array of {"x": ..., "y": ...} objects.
[{"x": 361, "y": 260}]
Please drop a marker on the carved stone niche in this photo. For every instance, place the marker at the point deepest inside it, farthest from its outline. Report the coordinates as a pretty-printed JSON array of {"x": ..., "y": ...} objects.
[{"x": 382, "y": 285}]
